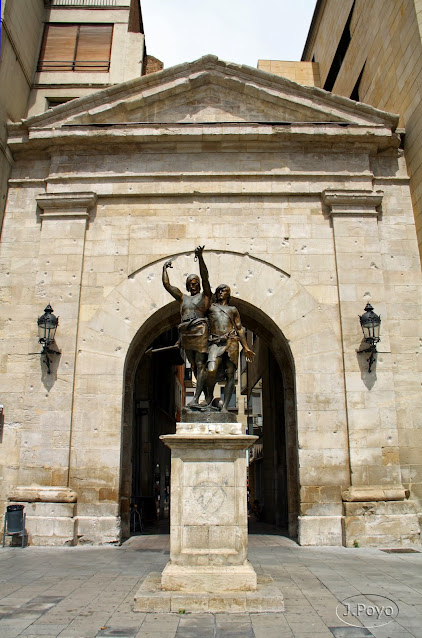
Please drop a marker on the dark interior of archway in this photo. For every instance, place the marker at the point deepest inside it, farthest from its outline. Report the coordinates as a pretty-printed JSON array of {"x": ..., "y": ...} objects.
[
  {"x": 268, "y": 479},
  {"x": 154, "y": 412}
]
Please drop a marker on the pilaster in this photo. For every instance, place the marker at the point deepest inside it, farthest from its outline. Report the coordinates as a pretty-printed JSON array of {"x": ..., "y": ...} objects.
[
  {"x": 64, "y": 218},
  {"x": 375, "y": 475}
]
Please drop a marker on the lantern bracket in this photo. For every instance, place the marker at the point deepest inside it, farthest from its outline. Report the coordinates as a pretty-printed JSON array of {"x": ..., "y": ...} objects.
[
  {"x": 373, "y": 350},
  {"x": 47, "y": 360}
]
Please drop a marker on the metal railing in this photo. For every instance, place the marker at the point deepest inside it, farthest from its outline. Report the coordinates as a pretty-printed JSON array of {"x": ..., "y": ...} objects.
[
  {"x": 83, "y": 3},
  {"x": 73, "y": 65}
]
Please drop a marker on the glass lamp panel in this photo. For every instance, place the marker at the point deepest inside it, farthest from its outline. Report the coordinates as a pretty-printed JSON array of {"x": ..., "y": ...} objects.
[
  {"x": 50, "y": 330},
  {"x": 41, "y": 330},
  {"x": 376, "y": 328}
]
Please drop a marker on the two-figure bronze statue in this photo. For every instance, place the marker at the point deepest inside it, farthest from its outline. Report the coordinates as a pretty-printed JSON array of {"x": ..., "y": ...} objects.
[{"x": 209, "y": 332}]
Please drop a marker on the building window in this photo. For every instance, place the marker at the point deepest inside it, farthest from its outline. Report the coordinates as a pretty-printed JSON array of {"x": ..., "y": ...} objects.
[
  {"x": 340, "y": 53},
  {"x": 56, "y": 101},
  {"x": 355, "y": 94},
  {"x": 76, "y": 47}
]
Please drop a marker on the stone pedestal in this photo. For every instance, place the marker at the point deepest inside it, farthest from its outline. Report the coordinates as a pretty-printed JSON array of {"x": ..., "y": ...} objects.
[{"x": 208, "y": 568}]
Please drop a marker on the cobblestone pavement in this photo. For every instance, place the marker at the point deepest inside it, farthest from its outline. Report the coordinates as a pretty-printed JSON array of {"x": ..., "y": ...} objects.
[{"x": 84, "y": 592}]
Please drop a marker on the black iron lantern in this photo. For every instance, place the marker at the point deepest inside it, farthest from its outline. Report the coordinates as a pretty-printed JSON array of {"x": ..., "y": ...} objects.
[
  {"x": 370, "y": 323},
  {"x": 47, "y": 326}
]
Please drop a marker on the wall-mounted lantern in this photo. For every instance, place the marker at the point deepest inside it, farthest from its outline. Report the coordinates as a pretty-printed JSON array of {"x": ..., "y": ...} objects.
[
  {"x": 47, "y": 326},
  {"x": 370, "y": 323}
]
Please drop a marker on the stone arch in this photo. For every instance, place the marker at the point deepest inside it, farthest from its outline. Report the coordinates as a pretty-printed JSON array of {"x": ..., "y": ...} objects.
[
  {"x": 287, "y": 303},
  {"x": 299, "y": 328}
]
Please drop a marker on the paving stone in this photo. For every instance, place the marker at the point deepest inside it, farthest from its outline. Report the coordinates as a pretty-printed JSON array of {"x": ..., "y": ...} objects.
[
  {"x": 350, "y": 632},
  {"x": 122, "y": 632},
  {"x": 43, "y": 630},
  {"x": 191, "y": 627},
  {"x": 96, "y": 577}
]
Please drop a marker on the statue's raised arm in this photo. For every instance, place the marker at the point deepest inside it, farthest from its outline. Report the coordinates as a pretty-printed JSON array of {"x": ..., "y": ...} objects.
[
  {"x": 203, "y": 271},
  {"x": 193, "y": 327},
  {"x": 175, "y": 292}
]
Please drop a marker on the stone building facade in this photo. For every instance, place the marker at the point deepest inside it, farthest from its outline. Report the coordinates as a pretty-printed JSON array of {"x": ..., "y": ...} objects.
[
  {"x": 302, "y": 200},
  {"x": 53, "y": 51},
  {"x": 20, "y": 43},
  {"x": 372, "y": 52},
  {"x": 86, "y": 45}
]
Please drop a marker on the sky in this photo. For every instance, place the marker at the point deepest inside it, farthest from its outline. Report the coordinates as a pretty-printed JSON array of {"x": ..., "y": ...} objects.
[{"x": 240, "y": 31}]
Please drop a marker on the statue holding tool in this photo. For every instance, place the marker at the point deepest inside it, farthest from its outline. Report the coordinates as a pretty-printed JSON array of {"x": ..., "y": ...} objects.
[
  {"x": 226, "y": 331},
  {"x": 193, "y": 329},
  {"x": 209, "y": 332}
]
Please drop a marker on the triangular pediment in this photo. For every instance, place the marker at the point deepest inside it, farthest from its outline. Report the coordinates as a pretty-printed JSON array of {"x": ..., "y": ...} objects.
[{"x": 210, "y": 90}]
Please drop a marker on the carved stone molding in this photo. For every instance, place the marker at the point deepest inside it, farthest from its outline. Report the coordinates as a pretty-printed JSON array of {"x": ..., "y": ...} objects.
[
  {"x": 41, "y": 494},
  {"x": 353, "y": 202},
  {"x": 66, "y": 205},
  {"x": 374, "y": 493}
]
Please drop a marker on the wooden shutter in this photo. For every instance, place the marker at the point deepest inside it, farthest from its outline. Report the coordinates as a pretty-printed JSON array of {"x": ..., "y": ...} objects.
[
  {"x": 94, "y": 45},
  {"x": 58, "y": 47}
]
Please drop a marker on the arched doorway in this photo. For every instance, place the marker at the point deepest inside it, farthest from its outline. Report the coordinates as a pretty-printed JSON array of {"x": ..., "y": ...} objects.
[{"x": 150, "y": 409}]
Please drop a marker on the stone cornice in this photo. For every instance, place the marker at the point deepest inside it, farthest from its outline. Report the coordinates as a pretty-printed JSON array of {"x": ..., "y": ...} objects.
[
  {"x": 208, "y": 441},
  {"x": 352, "y": 202},
  {"x": 213, "y": 184},
  {"x": 74, "y": 137},
  {"x": 66, "y": 205}
]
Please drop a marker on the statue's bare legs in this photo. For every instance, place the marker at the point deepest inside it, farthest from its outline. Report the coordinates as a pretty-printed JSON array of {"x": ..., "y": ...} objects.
[
  {"x": 229, "y": 387},
  {"x": 212, "y": 373},
  {"x": 198, "y": 361}
]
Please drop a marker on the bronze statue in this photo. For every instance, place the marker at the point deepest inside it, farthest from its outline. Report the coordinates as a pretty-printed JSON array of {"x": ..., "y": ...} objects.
[
  {"x": 226, "y": 331},
  {"x": 193, "y": 329},
  {"x": 209, "y": 333}
]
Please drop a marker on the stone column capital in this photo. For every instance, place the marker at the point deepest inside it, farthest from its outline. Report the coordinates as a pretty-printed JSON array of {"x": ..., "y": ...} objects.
[
  {"x": 66, "y": 205},
  {"x": 352, "y": 202}
]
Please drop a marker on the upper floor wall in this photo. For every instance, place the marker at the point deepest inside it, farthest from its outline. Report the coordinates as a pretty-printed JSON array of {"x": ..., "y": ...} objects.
[
  {"x": 372, "y": 52},
  {"x": 20, "y": 41},
  {"x": 87, "y": 45}
]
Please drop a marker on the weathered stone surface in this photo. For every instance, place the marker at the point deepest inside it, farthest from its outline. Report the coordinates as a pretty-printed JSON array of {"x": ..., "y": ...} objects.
[
  {"x": 206, "y": 579},
  {"x": 375, "y": 493},
  {"x": 38, "y": 493},
  {"x": 320, "y": 530},
  {"x": 208, "y": 564},
  {"x": 208, "y": 517},
  {"x": 150, "y": 597},
  {"x": 208, "y": 427},
  {"x": 381, "y": 524}
]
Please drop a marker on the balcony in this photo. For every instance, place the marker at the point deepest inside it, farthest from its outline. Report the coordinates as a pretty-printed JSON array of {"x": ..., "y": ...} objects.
[
  {"x": 83, "y": 3},
  {"x": 95, "y": 66}
]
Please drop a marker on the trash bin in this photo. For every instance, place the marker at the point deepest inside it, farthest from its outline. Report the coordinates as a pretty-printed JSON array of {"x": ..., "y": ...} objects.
[
  {"x": 14, "y": 522},
  {"x": 14, "y": 518}
]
